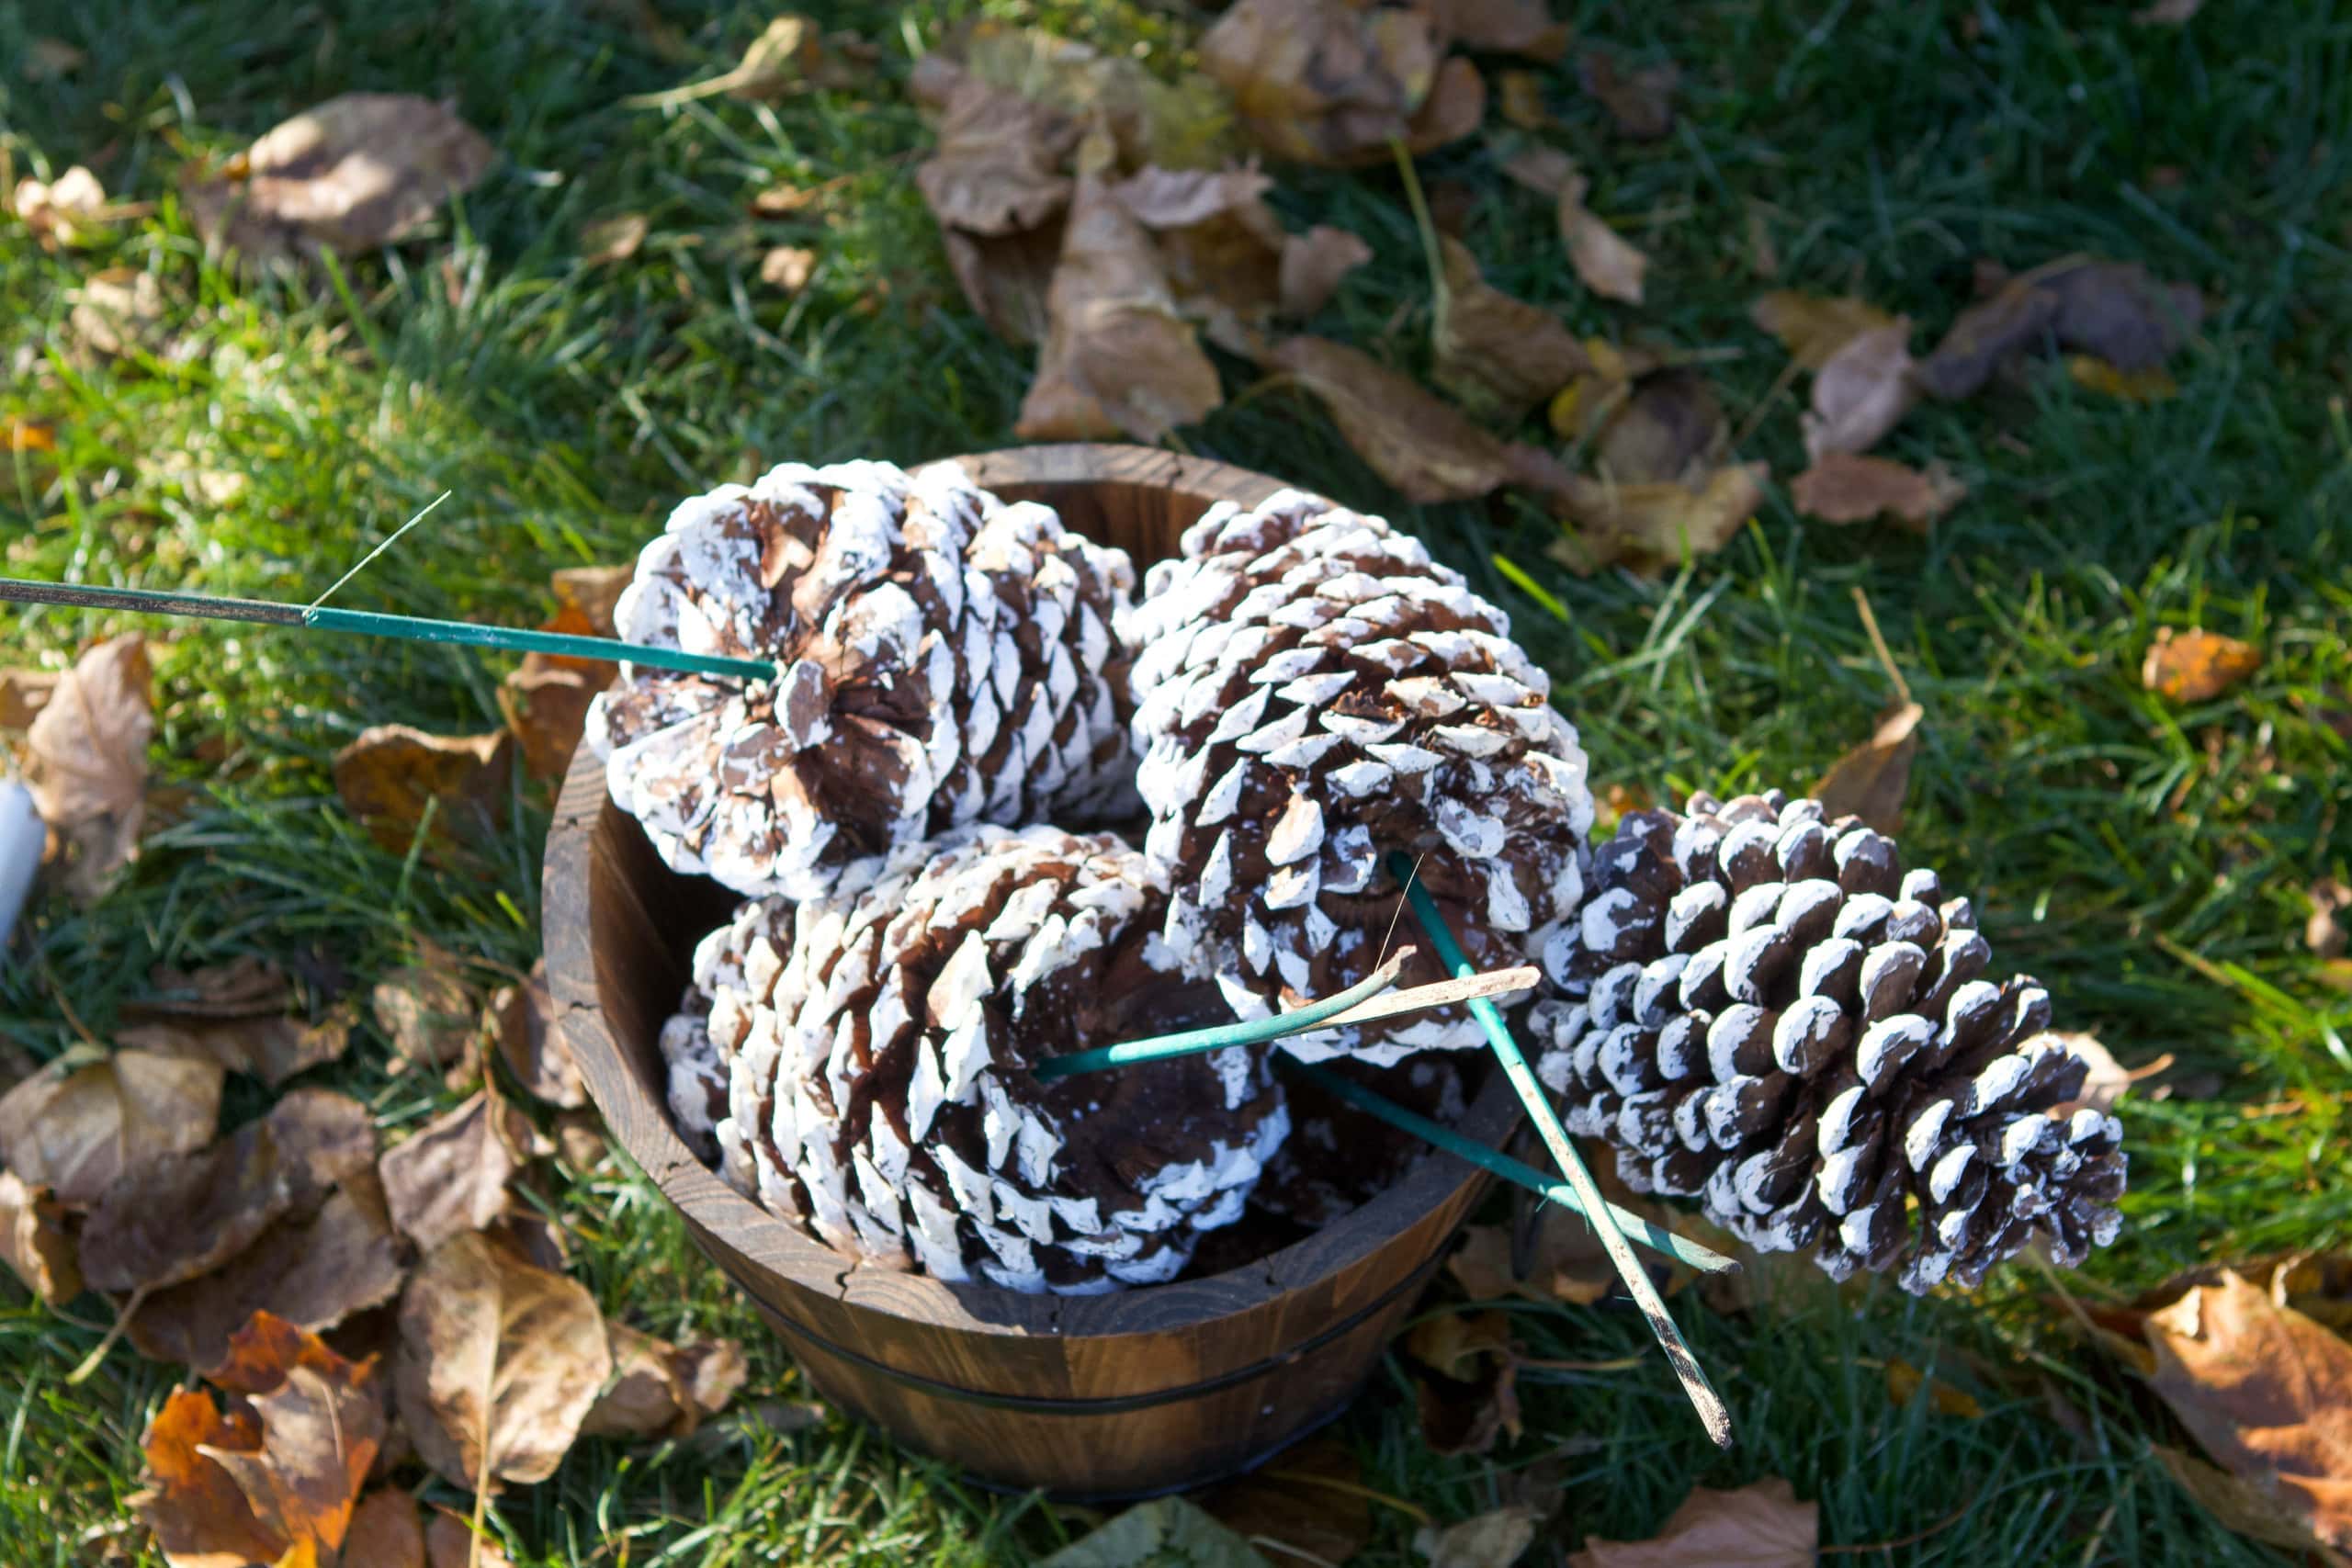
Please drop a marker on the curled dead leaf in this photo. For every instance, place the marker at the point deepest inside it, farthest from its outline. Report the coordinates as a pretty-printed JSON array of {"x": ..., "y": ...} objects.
[
  {"x": 1813, "y": 327},
  {"x": 1871, "y": 781},
  {"x": 1609, "y": 264},
  {"x": 271, "y": 1049},
  {"x": 2195, "y": 666},
  {"x": 450, "y": 1176},
  {"x": 1495, "y": 354},
  {"x": 545, "y": 703},
  {"x": 1759, "y": 1526},
  {"x": 426, "y": 1011},
  {"x": 1649, "y": 527},
  {"x": 450, "y": 1541},
  {"x": 499, "y": 1363},
  {"x": 351, "y": 174},
  {"x": 523, "y": 1021},
  {"x": 35, "y": 1241},
  {"x": 2108, "y": 1078},
  {"x": 1841, "y": 487},
  {"x": 1669, "y": 428},
  {"x": 1425, "y": 448},
  {"x": 998, "y": 168},
  {"x": 658, "y": 1389},
  {"x": 1312, "y": 266},
  {"x": 77, "y": 1131},
  {"x": 2114, "y": 311},
  {"x": 1640, "y": 102},
  {"x": 86, "y": 759},
  {"x": 1495, "y": 1539},
  {"x": 1118, "y": 357},
  {"x": 246, "y": 987},
  {"x": 186, "y": 1215},
  {"x": 1861, "y": 392},
  {"x": 388, "y": 776},
  {"x": 1323, "y": 82},
  {"x": 2239, "y": 1506}
]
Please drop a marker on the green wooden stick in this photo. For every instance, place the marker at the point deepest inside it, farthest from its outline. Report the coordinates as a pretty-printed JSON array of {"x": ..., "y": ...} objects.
[
  {"x": 1703, "y": 1398},
  {"x": 1637, "y": 1229},
  {"x": 1217, "y": 1036},
  {"x": 370, "y": 622}
]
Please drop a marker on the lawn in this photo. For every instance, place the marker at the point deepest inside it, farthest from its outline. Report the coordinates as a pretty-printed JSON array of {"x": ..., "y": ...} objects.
[{"x": 2146, "y": 859}]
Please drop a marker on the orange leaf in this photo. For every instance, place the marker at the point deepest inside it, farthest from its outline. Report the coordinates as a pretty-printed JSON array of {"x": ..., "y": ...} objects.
[
  {"x": 201, "y": 1517},
  {"x": 35, "y": 1243},
  {"x": 19, "y": 434},
  {"x": 2195, "y": 666},
  {"x": 387, "y": 774}
]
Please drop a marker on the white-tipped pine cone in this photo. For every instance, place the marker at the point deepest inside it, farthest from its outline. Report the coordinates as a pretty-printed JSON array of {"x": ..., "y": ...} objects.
[
  {"x": 1313, "y": 693},
  {"x": 877, "y": 1052},
  {"x": 1770, "y": 1014},
  {"x": 942, "y": 657}
]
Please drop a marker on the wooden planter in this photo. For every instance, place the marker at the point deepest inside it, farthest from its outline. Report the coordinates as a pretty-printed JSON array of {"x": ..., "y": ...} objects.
[{"x": 1089, "y": 1397}]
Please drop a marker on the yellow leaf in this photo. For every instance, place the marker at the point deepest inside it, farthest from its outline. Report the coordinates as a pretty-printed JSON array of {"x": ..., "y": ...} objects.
[
  {"x": 2195, "y": 666},
  {"x": 2151, "y": 385}
]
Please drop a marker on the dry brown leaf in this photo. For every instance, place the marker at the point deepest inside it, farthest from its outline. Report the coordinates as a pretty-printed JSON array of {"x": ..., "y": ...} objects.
[
  {"x": 1843, "y": 488},
  {"x": 2267, "y": 1391},
  {"x": 201, "y": 1517},
  {"x": 544, "y": 701},
  {"x": 76, "y": 1132},
  {"x": 450, "y": 1176},
  {"x": 592, "y": 592},
  {"x": 1503, "y": 27},
  {"x": 69, "y": 211},
  {"x": 2249, "y": 1510},
  {"x": 1423, "y": 447},
  {"x": 1118, "y": 357},
  {"x": 2113, "y": 311},
  {"x": 1494, "y": 1540},
  {"x": 271, "y": 1049},
  {"x": 351, "y": 174},
  {"x": 1005, "y": 278},
  {"x": 35, "y": 1243},
  {"x": 1862, "y": 391},
  {"x": 499, "y": 1363},
  {"x": 1670, "y": 428},
  {"x": 1220, "y": 245},
  {"x": 1608, "y": 263},
  {"x": 788, "y": 268},
  {"x": 1904, "y": 1381},
  {"x": 1323, "y": 82},
  {"x": 1495, "y": 354},
  {"x": 997, "y": 167},
  {"x": 2324, "y": 934},
  {"x": 388, "y": 775},
  {"x": 117, "y": 311},
  {"x": 2153, "y": 384},
  {"x": 1519, "y": 94},
  {"x": 1759, "y": 1526},
  {"x": 426, "y": 1011},
  {"x": 1468, "y": 1392},
  {"x": 186, "y": 1215},
  {"x": 23, "y": 693},
  {"x": 663, "y": 1390},
  {"x": 1583, "y": 408},
  {"x": 1311, "y": 268},
  {"x": 1813, "y": 327},
  {"x": 1307, "y": 1506},
  {"x": 86, "y": 760},
  {"x": 2107, "y": 1078},
  {"x": 1649, "y": 527},
  {"x": 2195, "y": 666},
  {"x": 613, "y": 239},
  {"x": 1871, "y": 781},
  {"x": 246, "y": 987},
  {"x": 523, "y": 1021},
  {"x": 386, "y": 1532},
  {"x": 1641, "y": 102},
  {"x": 1183, "y": 124},
  {"x": 450, "y": 1542}
]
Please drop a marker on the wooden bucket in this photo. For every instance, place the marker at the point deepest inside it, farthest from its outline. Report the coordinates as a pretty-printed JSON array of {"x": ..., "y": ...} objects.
[{"x": 1152, "y": 1389}]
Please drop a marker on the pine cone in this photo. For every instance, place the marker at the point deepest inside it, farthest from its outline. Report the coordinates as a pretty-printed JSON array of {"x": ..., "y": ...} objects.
[
  {"x": 878, "y": 1050},
  {"x": 942, "y": 657},
  {"x": 1313, "y": 693},
  {"x": 1772, "y": 1015}
]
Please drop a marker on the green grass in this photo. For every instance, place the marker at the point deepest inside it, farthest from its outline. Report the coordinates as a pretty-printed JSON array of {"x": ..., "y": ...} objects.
[{"x": 1882, "y": 147}]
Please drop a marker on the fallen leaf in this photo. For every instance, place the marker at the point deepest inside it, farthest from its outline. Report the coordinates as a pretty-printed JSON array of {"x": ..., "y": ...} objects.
[
  {"x": 1861, "y": 392},
  {"x": 613, "y": 239},
  {"x": 2168, "y": 13},
  {"x": 789, "y": 52},
  {"x": 663, "y": 1390},
  {"x": 386, "y": 1532},
  {"x": 23, "y": 693},
  {"x": 997, "y": 170},
  {"x": 1423, "y": 447},
  {"x": 1670, "y": 428},
  {"x": 592, "y": 592},
  {"x": 1563, "y": 1261},
  {"x": 426, "y": 1011},
  {"x": 1494, "y": 1540},
  {"x": 1609, "y": 264},
  {"x": 1871, "y": 781},
  {"x": 1322, "y": 82},
  {"x": 1759, "y": 1526},
  {"x": 2324, "y": 934},
  {"x": 1469, "y": 1395},
  {"x": 48, "y": 57},
  {"x": 2151, "y": 385},
  {"x": 499, "y": 1363},
  {"x": 1168, "y": 1533},
  {"x": 351, "y": 174},
  {"x": 1813, "y": 327},
  {"x": 580, "y": 1136},
  {"x": 2114, "y": 311},
  {"x": 544, "y": 701},
  {"x": 2195, "y": 666},
  {"x": 1843, "y": 488},
  {"x": 1642, "y": 104},
  {"x": 2249, "y": 1510},
  {"x": 2267, "y": 1392},
  {"x": 67, "y": 211},
  {"x": 117, "y": 311},
  {"x": 19, "y": 434},
  {"x": 787, "y": 268},
  {"x": 86, "y": 760},
  {"x": 1307, "y": 1505},
  {"x": 1312, "y": 266},
  {"x": 2107, "y": 1079},
  {"x": 1904, "y": 1381},
  {"x": 391, "y": 772},
  {"x": 1649, "y": 527},
  {"x": 1503, "y": 27},
  {"x": 79, "y": 1130},
  {"x": 1496, "y": 355},
  {"x": 450, "y": 1542},
  {"x": 35, "y": 1243},
  {"x": 1582, "y": 409},
  {"x": 1184, "y": 124},
  {"x": 271, "y": 1049},
  {"x": 523, "y": 1021},
  {"x": 1006, "y": 279},
  {"x": 1220, "y": 245},
  {"x": 201, "y": 1519},
  {"x": 450, "y": 1176},
  {"x": 1520, "y": 96},
  {"x": 186, "y": 1215},
  {"x": 246, "y": 987},
  {"x": 1118, "y": 357}
]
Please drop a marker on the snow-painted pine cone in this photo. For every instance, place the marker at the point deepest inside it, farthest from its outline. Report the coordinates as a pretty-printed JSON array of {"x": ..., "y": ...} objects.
[
  {"x": 877, "y": 1052},
  {"x": 1769, "y": 1013},
  {"x": 1312, "y": 693},
  {"x": 941, "y": 657}
]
